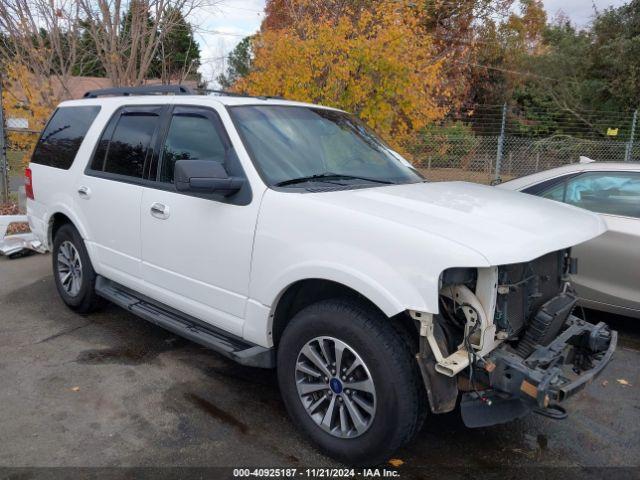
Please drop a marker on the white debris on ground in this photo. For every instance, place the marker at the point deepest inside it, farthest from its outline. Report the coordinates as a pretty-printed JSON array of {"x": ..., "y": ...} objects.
[{"x": 19, "y": 243}]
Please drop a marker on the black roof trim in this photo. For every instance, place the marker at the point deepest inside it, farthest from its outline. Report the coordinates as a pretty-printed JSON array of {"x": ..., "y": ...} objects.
[{"x": 143, "y": 90}]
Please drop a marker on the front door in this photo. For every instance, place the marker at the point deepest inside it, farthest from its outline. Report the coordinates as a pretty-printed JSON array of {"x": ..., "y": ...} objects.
[{"x": 196, "y": 250}]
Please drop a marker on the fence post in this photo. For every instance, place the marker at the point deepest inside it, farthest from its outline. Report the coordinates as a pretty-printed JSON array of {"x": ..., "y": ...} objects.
[
  {"x": 629, "y": 152},
  {"x": 501, "y": 141},
  {"x": 4, "y": 166}
]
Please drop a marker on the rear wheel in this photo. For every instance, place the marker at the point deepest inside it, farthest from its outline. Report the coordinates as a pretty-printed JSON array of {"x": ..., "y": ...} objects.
[
  {"x": 350, "y": 381},
  {"x": 72, "y": 271}
]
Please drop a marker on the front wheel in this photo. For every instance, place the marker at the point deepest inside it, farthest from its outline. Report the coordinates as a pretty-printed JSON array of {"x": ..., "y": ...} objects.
[{"x": 349, "y": 380}]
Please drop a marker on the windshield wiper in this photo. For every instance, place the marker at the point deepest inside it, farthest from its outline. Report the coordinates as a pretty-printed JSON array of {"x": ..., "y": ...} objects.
[{"x": 327, "y": 176}]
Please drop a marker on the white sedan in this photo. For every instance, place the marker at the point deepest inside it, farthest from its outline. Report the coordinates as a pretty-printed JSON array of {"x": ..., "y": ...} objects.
[{"x": 608, "y": 276}]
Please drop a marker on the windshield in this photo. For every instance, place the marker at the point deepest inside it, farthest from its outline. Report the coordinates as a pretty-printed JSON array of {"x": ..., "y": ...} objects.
[{"x": 293, "y": 146}]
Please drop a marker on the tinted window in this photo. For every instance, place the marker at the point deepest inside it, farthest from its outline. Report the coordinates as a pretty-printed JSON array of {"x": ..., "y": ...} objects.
[
  {"x": 191, "y": 136},
  {"x": 615, "y": 193},
  {"x": 123, "y": 148},
  {"x": 555, "y": 193},
  {"x": 63, "y": 136}
]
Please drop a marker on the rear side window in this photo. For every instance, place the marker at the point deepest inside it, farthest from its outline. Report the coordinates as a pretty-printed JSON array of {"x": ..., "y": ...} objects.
[
  {"x": 126, "y": 142},
  {"x": 63, "y": 135}
]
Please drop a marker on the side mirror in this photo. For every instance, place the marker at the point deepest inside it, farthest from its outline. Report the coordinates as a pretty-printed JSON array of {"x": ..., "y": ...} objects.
[{"x": 205, "y": 176}]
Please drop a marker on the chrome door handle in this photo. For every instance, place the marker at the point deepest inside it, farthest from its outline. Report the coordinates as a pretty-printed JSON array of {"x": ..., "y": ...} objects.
[
  {"x": 84, "y": 192},
  {"x": 160, "y": 211}
]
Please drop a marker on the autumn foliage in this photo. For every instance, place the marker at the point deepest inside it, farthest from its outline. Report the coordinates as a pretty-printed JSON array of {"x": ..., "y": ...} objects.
[
  {"x": 30, "y": 97},
  {"x": 377, "y": 62}
]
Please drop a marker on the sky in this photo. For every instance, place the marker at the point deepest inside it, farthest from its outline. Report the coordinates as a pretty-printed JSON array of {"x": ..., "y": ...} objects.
[{"x": 219, "y": 28}]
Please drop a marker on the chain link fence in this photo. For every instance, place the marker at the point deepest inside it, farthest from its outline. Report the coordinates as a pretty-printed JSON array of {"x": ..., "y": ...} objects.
[
  {"x": 485, "y": 143},
  {"x": 476, "y": 159}
]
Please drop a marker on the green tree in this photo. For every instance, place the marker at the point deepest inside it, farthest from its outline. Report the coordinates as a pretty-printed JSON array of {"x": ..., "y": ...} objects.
[
  {"x": 88, "y": 63},
  {"x": 179, "y": 53},
  {"x": 615, "y": 57},
  {"x": 238, "y": 63}
]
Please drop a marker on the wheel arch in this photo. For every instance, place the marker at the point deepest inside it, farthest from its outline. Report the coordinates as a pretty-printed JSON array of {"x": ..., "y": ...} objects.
[
  {"x": 60, "y": 217},
  {"x": 56, "y": 221},
  {"x": 302, "y": 293}
]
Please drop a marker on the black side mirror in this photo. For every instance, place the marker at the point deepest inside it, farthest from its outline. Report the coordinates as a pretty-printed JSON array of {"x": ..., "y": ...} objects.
[{"x": 205, "y": 176}]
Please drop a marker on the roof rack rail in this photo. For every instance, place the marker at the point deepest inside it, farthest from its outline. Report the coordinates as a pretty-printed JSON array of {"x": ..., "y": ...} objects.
[
  {"x": 226, "y": 93},
  {"x": 238, "y": 94},
  {"x": 143, "y": 90}
]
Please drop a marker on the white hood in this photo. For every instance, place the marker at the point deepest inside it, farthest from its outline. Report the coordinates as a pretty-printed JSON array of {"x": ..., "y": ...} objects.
[{"x": 503, "y": 226}]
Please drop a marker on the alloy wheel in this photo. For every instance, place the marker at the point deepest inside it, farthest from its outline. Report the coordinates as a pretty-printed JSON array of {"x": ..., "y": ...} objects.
[
  {"x": 335, "y": 387},
  {"x": 69, "y": 268}
]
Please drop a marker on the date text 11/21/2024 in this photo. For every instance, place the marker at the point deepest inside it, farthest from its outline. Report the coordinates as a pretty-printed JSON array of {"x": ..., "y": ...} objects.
[{"x": 316, "y": 473}]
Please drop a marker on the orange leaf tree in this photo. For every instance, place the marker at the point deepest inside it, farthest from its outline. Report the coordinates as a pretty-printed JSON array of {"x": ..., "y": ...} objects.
[
  {"x": 378, "y": 63},
  {"x": 30, "y": 97}
]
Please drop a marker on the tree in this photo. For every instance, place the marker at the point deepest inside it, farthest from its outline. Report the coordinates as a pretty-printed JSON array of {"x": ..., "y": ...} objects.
[
  {"x": 452, "y": 25},
  {"x": 615, "y": 57},
  {"x": 88, "y": 63},
  {"x": 377, "y": 63},
  {"x": 25, "y": 96},
  {"x": 43, "y": 39},
  {"x": 38, "y": 50},
  {"x": 502, "y": 60},
  {"x": 289, "y": 13},
  {"x": 238, "y": 63},
  {"x": 129, "y": 35},
  {"x": 179, "y": 54}
]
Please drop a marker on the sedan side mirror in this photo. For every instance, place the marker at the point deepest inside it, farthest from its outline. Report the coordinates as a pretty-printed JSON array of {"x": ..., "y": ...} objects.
[{"x": 205, "y": 176}]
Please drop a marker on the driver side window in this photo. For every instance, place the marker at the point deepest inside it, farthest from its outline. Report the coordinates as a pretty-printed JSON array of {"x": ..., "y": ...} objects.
[{"x": 192, "y": 136}]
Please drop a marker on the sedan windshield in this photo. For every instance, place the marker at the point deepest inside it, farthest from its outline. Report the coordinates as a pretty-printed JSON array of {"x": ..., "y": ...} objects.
[{"x": 295, "y": 146}]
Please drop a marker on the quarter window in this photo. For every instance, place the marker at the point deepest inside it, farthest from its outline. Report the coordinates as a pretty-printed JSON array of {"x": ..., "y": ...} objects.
[
  {"x": 61, "y": 139},
  {"x": 191, "y": 136}
]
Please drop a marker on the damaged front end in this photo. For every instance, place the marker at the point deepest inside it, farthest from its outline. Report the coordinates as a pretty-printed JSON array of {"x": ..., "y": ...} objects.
[{"x": 506, "y": 338}]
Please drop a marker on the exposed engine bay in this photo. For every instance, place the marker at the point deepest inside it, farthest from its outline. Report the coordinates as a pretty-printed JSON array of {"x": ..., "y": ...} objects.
[{"x": 506, "y": 337}]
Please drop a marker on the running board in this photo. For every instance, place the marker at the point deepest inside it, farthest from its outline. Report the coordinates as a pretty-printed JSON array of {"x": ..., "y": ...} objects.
[{"x": 186, "y": 326}]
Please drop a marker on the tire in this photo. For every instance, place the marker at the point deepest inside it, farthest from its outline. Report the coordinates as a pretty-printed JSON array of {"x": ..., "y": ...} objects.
[
  {"x": 399, "y": 398},
  {"x": 69, "y": 245}
]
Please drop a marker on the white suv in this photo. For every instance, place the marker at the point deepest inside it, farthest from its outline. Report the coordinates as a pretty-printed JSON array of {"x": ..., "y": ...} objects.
[{"x": 287, "y": 235}]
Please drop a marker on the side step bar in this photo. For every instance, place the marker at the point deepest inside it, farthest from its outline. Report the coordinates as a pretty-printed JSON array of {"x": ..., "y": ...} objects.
[{"x": 186, "y": 326}]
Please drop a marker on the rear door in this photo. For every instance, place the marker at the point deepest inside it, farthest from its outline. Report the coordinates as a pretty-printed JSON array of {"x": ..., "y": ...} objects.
[
  {"x": 608, "y": 271},
  {"x": 196, "y": 249},
  {"x": 110, "y": 191}
]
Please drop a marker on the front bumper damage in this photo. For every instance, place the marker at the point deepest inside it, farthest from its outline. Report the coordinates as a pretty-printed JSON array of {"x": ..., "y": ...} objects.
[
  {"x": 512, "y": 386},
  {"x": 505, "y": 386},
  {"x": 557, "y": 371}
]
